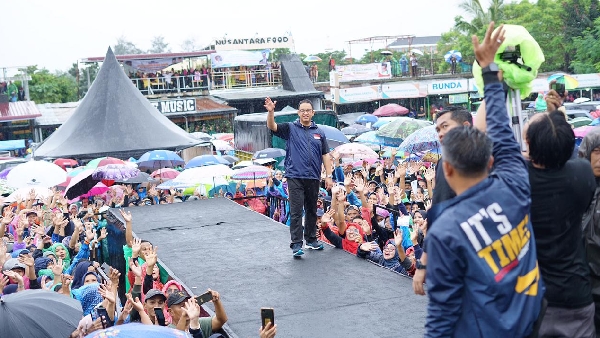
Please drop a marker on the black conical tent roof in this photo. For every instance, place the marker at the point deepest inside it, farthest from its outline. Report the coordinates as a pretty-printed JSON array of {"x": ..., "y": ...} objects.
[{"x": 114, "y": 119}]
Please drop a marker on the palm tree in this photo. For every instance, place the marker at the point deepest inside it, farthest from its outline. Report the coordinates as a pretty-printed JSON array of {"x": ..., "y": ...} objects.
[{"x": 479, "y": 17}]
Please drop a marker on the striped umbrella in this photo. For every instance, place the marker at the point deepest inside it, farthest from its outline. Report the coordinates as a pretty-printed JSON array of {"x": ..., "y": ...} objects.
[{"x": 251, "y": 172}]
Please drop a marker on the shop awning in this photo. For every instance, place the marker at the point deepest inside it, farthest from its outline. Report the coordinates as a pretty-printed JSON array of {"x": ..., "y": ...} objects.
[{"x": 20, "y": 110}]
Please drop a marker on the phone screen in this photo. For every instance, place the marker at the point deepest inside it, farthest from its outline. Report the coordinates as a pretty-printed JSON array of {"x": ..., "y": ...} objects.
[
  {"x": 160, "y": 316},
  {"x": 103, "y": 313},
  {"x": 267, "y": 315},
  {"x": 559, "y": 86},
  {"x": 204, "y": 298}
]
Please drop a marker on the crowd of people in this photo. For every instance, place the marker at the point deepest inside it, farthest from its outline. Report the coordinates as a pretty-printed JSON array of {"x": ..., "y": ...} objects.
[
  {"x": 188, "y": 79},
  {"x": 14, "y": 93}
]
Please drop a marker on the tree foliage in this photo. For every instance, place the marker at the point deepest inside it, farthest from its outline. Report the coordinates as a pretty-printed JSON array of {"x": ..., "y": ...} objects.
[
  {"x": 564, "y": 29},
  {"x": 158, "y": 45},
  {"x": 46, "y": 87},
  {"x": 125, "y": 47}
]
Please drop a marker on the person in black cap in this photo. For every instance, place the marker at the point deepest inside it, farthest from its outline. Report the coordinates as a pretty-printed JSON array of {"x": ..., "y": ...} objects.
[
  {"x": 177, "y": 302},
  {"x": 154, "y": 299}
]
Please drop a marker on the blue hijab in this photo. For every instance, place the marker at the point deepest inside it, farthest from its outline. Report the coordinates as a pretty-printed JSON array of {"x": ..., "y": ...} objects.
[{"x": 392, "y": 262}]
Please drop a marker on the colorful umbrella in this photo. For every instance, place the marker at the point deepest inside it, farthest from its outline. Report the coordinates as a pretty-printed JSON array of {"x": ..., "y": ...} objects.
[
  {"x": 457, "y": 55},
  {"x": 166, "y": 173},
  {"x": 221, "y": 145},
  {"x": 401, "y": 129},
  {"x": 356, "y": 151},
  {"x": 142, "y": 177},
  {"x": 423, "y": 139},
  {"x": 36, "y": 173},
  {"x": 334, "y": 136},
  {"x": 385, "y": 120},
  {"x": 135, "y": 330},
  {"x": 355, "y": 129},
  {"x": 269, "y": 153},
  {"x": 5, "y": 172},
  {"x": 75, "y": 171},
  {"x": 570, "y": 82},
  {"x": 101, "y": 161},
  {"x": 115, "y": 172},
  {"x": 576, "y": 122},
  {"x": 367, "y": 118},
  {"x": 4, "y": 188},
  {"x": 157, "y": 159},
  {"x": 373, "y": 138},
  {"x": 224, "y": 136},
  {"x": 251, "y": 172},
  {"x": 80, "y": 184},
  {"x": 98, "y": 189},
  {"x": 66, "y": 162},
  {"x": 390, "y": 109},
  {"x": 203, "y": 160},
  {"x": 580, "y": 132}
]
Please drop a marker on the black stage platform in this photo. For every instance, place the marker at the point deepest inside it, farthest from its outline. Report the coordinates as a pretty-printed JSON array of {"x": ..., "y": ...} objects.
[{"x": 245, "y": 256}]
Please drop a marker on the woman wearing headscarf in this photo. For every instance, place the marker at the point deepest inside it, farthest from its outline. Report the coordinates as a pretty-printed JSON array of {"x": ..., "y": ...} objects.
[{"x": 393, "y": 256}]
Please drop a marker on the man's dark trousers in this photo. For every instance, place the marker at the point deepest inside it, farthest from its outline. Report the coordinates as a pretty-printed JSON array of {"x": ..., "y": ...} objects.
[{"x": 303, "y": 196}]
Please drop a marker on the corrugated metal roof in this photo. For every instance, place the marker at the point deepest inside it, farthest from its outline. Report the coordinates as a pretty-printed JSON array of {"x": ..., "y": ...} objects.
[
  {"x": 20, "y": 110},
  {"x": 150, "y": 56},
  {"x": 415, "y": 42},
  {"x": 260, "y": 93},
  {"x": 55, "y": 114}
]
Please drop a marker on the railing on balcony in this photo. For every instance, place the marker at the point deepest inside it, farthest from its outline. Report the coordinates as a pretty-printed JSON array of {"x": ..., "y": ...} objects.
[
  {"x": 215, "y": 80},
  {"x": 247, "y": 78},
  {"x": 171, "y": 84}
]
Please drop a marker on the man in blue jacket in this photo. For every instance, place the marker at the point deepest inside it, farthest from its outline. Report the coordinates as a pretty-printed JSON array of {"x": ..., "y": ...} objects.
[
  {"x": 306, "y": 152},
  {"x": 483, "y": 279}
]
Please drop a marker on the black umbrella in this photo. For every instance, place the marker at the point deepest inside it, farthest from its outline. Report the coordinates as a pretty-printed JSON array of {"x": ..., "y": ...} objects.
[
  {"x": 38, "y": 313},
  {"x": 269, "y": 153},
  {"x": 231, "y": 159},
  {"x": 142, "y": 177},
  {"x": 80, "y": 184}
]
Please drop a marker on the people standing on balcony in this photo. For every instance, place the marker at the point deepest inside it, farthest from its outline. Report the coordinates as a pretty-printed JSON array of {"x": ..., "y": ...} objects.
[
  {"x": 414, "y": 64},
  {"x": 404, "y": 65},
  {"x": 453, "y": 64}
]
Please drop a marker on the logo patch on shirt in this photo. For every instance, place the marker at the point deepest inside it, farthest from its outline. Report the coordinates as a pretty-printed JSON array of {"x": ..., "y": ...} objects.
[{"x": 317, "y": 136}]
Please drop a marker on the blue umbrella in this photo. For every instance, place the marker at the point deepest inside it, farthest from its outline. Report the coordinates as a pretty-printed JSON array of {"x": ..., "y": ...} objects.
[
  {"x": 367, "y": 118},
  {"x": 334, "y": 136},
  {"x": 455, "y": 53},
  {"x": 202, "y": 160},
  {"x": 383, "y": 121},
  {"x": 595, "y": 122},
  {"x": 371, "y": 137},
  {"x": 138, "y": 330},
  {"x": 158, "y": 159}
]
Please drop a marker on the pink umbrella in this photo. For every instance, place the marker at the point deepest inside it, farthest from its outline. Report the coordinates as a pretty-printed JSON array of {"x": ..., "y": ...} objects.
[
  {"x": 98, "y": 189},
  {"x": 582, "y": 131},
  {"x": 166, "y": 173},
  {"x": 356, "y": 151},
  {"x": 390, "y": 109}
]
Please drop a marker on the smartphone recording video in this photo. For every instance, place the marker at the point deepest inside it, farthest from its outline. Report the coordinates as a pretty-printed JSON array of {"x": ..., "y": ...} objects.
[
  {"x": 559, "y": 86},
  {"x": 267, "y": 315},
  {"x": 204, "y": 298}
]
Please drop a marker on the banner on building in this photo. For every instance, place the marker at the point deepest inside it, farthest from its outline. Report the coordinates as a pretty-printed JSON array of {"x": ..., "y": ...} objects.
[
  {"x": 402, "y": 90},
  {"x": 175, "y": 106},
  {"x": 265, "y": 42},
  {"x": 153, "y": 65},
  {"x": 587, "y": 80},
  {"x": 357, "y": 94},
  {"x": 455, "y": 86},
  {"x": 363, "y": 72},
  {"x": 237, "y": 58}
]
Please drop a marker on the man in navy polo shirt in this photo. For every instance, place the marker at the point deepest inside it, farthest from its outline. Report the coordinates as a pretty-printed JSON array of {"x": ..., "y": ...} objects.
[{"x": 306, "y": 151}]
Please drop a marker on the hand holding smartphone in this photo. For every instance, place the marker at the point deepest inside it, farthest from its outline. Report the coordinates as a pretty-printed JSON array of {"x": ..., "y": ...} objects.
[
  {"x": 267, "y": 315},
  {"x": 204, "y": 298},
  {"x": 559, "y": 86}
]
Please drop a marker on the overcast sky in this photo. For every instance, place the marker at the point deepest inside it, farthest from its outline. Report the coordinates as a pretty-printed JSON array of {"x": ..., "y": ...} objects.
[{"x": 54, "y": 34}]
